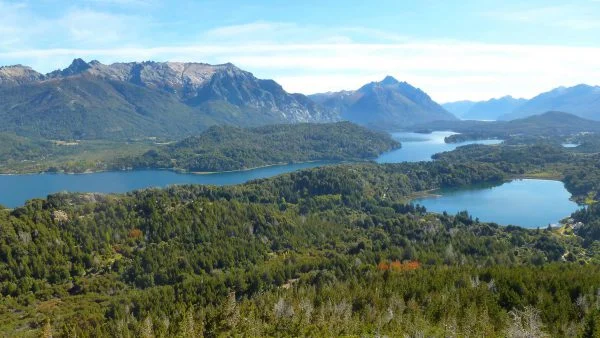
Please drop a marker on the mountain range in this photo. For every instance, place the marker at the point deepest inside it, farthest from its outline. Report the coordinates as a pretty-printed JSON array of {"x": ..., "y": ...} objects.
[
  {"x": 91, "y": 100},
  {"x": 124, "y": 100},
  {"x": 551, "y": 126},
  {"x": 484, "y": 110},
  {"x": 581, "y": 100},
  {"x": 388, "y": 104}
]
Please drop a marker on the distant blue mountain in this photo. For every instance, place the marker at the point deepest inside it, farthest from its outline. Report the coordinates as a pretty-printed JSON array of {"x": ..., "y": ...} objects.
[
  {"x": 581, "y": 100},
  {"x": 388, "y": 104},
  {"x": 459, "y": 108},
  {"x": 484, "y": 110}
]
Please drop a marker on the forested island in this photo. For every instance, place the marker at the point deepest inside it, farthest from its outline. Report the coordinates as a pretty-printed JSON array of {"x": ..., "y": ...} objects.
[
  {"x": 548, "y": 127},
  {"x": 330, "y": 251},
  {"x": 219, "y": 148},
  {"x": 226, "y": 148}
]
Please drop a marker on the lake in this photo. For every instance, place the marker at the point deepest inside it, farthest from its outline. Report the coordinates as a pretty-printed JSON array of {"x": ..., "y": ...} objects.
[
  {"x": 16, "y": 189},
  {"x": 528, "y": 203},
  {"x": 419, "y": 147}
]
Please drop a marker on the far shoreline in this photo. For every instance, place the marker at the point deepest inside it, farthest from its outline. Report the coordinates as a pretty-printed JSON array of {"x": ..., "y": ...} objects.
[{"x": 182, "y": 171}]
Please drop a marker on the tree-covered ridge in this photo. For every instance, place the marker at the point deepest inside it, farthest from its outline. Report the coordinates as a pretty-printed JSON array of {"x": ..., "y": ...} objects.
[
  {"x": 17, "y": 148},
  {"x": 218, "y": 149},
  {"x": 223, "y": 148},
  {"x": 580, "y": 171},
  {"x": 550, "y": 126},
  {"x": 317, "y": 252},
  {"x": 20, "y": 154}
]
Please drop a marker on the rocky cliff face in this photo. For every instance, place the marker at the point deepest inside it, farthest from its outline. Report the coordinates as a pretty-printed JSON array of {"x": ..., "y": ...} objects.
[
  {"x": 153, "y": 94},
  {"x": 197, "y": 84},
  {"x": 18, "y": 75}
]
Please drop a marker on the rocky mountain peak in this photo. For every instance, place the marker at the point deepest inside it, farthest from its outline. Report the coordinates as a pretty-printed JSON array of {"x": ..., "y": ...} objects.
[
  {"x": 164, "y": 91},
  {"x": 78, "y": 66},
  {"x": 389, "y": 80},
  {"x": 17, "y": 75}
]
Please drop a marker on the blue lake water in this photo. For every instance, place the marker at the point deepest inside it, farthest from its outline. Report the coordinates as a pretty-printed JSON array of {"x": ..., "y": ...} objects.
[
  {"x": 16, "y": 189},
  {"x": 419, "y": 147},
  {"x": 528, "y": 203}
]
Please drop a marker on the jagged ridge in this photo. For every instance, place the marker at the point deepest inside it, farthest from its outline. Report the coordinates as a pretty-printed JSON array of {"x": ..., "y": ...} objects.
[{"x": 93, "y": 100}]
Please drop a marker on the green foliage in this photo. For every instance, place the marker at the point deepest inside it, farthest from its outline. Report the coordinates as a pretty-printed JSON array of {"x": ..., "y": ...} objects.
[
  {"x": 512, "y": 159},
  {"x": 292, "y": 255},
  {"x": 25, "y": 155},
  {"x": 301, "y": 254},
  {"x": 550, "y": 126},
  {"x": 226, "y": 148},
  {"x": 218, "y": 149},
  {"x": 86, "y": 107}
]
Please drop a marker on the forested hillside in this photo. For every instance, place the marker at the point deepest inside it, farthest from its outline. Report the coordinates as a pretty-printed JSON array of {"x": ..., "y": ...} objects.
[
  {"x": 324, "y": 252},
  {"x": 553, "y": 126},
  {"x": 223, "y": 148},
  {"x": 220, "y": 148}
]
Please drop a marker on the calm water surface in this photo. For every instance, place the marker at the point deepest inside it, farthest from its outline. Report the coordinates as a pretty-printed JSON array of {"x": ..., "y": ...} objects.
[
  {"x": 527, "y": 203},
  {"x": 16, "y": 189},
  {"x": 419, "y": 147}
]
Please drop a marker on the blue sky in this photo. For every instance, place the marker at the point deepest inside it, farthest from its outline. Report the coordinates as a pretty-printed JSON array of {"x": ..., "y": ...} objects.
[{"x": 451, "y": 49}]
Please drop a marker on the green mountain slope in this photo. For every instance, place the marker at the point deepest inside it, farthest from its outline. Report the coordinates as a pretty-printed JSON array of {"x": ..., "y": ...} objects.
[
  {"x": 386, "y": 105},
  {"x": 130, "y": 100},
  {"x": 550, "y": 125},
  {"x": 322, "y": 252},
  {"x": 230, "y": 148},
  {"x": 85, "y": 107}
]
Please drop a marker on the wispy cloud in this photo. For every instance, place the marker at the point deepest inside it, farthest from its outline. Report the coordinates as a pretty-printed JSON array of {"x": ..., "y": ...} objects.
[
  {"x": 575, "y": 16},
  {"x": 305, "y": 57},
  {"x": 22, "y": 28},
  {"x": 94, "y": 28},
  {"x": 285, "y": 32},
  {"x": 447, "y": 70},
  {"x": 253, "y": 29}
]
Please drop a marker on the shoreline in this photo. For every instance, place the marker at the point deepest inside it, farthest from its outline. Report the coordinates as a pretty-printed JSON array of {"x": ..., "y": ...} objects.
[
  {"x": 554, "y": 177},
  {"x": 181, "y": 171}
]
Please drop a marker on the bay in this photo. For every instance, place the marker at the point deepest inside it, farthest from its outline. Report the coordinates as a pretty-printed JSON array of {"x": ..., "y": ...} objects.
[{"x": 529, "y": 203}]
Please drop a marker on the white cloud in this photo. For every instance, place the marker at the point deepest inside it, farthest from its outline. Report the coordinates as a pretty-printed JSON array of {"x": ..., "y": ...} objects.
[
  {"x": 284, "y": 32},
  {"x": 305, "y": 58},
  {"x": 446, "y": 70}
]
